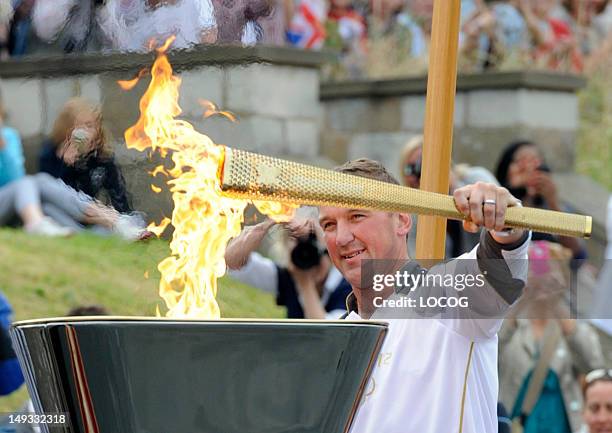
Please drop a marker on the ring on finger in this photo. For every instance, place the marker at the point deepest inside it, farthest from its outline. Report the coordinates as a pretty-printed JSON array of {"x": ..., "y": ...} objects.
[{"x": 489, "y": 201}]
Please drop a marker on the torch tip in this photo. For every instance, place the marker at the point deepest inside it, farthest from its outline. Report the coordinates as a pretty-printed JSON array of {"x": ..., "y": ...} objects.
[{"x": 588, "y": 227}]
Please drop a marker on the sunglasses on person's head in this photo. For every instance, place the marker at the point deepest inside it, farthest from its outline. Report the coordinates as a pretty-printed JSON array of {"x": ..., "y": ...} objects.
[
  {"x": 599, "y": 374},
  {"x": 413, "y": 169}
]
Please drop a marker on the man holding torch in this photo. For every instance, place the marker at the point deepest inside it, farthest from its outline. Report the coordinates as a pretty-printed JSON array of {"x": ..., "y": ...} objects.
[{"x": 433, "y": 375}]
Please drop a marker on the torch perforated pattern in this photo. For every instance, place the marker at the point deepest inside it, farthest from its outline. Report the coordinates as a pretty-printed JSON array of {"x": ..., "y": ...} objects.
[{"x": 258, "y": 177}]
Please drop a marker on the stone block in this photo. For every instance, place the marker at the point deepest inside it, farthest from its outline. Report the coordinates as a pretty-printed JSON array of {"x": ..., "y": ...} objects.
[
  {"x": 252, "y": 133},
  {"x": 271, "y": 90},
  {"x": 55, "y": 94},
  {"x": 89, "y": 88},
  {"x": 483, "y": 146},
  {"x": 200, "y": 84},
  {"x": 549, "y": 110},
  {"x": 492, "y": 108},
  {"x": 532, "y": 108},
  {"x": 120, "y": 108},
  {"x": 413, "y": 112},
  {"x": 263, "y": 134},
  {"x": 23, "y": 102},
  {"x": 385, "y": 147},
  {"x": 334, "y": 145},
  {"x": 302, "y": 137},
  {"x": 221, "y": 130},
  {"x": 351, "y": 114}
]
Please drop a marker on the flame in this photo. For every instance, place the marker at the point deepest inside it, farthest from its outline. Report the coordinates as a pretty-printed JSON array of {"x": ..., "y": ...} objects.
[
  {"x": 203, "y": 220},
  {"x": 158, "y": 170},
  {"x": 211, "y": 109},
  {"x": 158, "y": 229},
  {"x": 130, "y": 84}
]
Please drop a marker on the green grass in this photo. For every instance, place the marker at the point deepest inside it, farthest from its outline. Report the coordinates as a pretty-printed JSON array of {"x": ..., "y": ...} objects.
[{"x": 45, "y": 277}]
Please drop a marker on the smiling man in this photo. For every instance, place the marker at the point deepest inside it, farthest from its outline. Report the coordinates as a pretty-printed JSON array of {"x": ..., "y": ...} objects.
[{"x": 436, "y": 373}]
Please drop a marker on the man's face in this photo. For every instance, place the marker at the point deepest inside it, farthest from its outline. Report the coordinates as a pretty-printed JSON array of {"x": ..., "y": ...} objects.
[{"x": 355, "y": 234}]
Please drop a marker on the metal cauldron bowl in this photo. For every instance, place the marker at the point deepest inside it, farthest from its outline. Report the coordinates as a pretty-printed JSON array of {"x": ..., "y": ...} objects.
[{"x": 150, "y": 375}]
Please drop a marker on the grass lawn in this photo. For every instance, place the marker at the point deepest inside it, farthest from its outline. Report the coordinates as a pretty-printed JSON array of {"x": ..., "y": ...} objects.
[{"x": 45, "y": 277}]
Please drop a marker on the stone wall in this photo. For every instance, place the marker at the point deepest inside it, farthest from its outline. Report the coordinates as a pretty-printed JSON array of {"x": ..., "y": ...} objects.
[
  {"x": 273, "y": 91},
  {"x": 375, "y": 119}
]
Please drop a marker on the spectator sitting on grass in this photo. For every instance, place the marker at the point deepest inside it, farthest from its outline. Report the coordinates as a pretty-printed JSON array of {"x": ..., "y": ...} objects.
[
  {"x": 78, "y": 153},
  {"x": 33, "y": 199}
]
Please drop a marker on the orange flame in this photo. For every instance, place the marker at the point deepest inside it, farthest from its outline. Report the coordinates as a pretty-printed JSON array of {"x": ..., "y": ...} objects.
[
  {"x": 130, "y": 84},
  {"x": 203, "y": 220},
  {"x": 211, "y": 109},
  {"x": 158, "y": 229}
]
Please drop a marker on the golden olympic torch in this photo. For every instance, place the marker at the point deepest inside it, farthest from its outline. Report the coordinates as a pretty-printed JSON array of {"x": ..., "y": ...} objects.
[{"x": 252, "y": 176}]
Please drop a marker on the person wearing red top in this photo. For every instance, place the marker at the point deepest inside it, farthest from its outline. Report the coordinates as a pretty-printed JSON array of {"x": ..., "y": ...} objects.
[
  {"x": 554, "y": 44},
  {"x": 347, "y": 31}
]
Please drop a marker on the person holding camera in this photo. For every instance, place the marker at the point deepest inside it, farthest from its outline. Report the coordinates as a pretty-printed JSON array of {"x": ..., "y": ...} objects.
[
  {"x": 79, "y": 153},
  {"x": 310, "y": 287},
  {"x": 458, "y": 240},
  {"x": 521, "y": 169}
]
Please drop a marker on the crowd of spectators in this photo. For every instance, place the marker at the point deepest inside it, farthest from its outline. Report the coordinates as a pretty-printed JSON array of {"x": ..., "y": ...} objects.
[{"x": 371, "y": 38}]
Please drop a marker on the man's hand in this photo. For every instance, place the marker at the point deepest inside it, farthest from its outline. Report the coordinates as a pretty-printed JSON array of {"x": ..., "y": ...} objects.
[{"x": 485, "y": 205}]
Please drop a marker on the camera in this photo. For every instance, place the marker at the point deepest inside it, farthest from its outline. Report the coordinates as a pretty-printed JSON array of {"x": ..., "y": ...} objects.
[{"x": 306, "y": 254}]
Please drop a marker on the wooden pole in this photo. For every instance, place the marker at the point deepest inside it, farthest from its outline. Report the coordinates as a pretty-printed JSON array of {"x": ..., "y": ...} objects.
[{"x": 438, "y": 129}]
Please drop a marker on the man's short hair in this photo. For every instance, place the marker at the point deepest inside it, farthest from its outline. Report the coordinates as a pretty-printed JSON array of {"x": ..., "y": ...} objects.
[{"x": 369, "y": 168}]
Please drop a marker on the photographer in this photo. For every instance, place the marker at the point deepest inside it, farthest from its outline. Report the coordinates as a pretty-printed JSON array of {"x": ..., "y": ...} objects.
[
  {"x": 521, "y": 169},
  {"x": 310, "y": 286}
]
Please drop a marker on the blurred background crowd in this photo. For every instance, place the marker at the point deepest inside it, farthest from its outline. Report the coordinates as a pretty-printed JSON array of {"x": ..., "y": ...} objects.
[{"x": 371, "y": 38}]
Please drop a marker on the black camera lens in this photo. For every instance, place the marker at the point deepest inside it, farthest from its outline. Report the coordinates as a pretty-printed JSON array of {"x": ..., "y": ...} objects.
[{"x": 306, "y": 254}]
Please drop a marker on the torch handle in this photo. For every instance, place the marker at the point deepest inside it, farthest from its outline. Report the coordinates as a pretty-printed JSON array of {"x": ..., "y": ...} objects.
[{"x": 248, "y": 175}]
